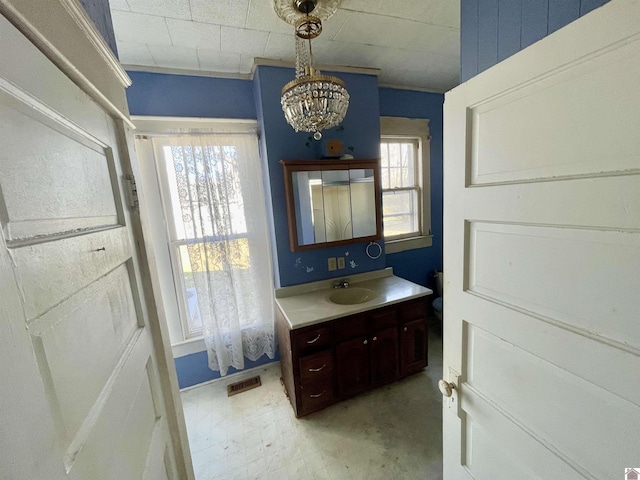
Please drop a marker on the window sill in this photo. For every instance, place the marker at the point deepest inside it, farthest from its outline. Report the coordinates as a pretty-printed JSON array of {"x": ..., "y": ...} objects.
[
  {"x": 400, "y": 245},
  {"x": 187, "y": 347}
]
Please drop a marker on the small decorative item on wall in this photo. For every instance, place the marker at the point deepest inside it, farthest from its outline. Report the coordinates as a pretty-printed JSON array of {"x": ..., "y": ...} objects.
[
  {"x": 306, "y": 268},
  {"x": 333, "y": 148}
]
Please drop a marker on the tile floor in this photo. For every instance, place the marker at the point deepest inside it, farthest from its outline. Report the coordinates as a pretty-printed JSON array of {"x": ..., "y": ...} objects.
[{"x": 394, "y": 432}]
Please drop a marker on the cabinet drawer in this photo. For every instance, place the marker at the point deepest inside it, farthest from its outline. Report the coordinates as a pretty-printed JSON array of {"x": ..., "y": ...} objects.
[
  {"x": 316, "y": 396},
  {"x": 310, "y": 339},
  {"x": 317, "y": 367},
  {"x": 385, "y": 318},
  {"x": 413, "y": 310},
  {"x": 350, "y": 327}
]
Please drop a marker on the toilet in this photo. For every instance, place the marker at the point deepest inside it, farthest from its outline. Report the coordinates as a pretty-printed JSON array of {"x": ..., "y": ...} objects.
[{"x": 437, "y": 303}]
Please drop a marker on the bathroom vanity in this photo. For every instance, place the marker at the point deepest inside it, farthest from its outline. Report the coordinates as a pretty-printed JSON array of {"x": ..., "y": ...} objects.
[{"x": 337, "y": 343}]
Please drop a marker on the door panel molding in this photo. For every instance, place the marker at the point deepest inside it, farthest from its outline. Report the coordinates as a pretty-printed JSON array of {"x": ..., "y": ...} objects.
[{"x": 509, "y": 264}]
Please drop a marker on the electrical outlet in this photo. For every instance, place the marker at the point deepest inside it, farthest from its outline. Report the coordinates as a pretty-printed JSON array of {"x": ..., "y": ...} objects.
[
  {"x": 331, "y": 264},
  {"x": 340, "y": 263}
]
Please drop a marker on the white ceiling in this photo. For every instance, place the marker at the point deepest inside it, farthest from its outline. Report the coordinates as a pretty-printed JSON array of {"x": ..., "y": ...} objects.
[{"x": 414, "y": 43}]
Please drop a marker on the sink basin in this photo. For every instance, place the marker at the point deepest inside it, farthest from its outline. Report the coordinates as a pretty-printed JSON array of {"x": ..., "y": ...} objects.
[{"x": 351, "y": 296}]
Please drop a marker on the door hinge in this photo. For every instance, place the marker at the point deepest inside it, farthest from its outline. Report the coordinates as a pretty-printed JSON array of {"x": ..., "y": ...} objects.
[{"x": 131, "y": 191}]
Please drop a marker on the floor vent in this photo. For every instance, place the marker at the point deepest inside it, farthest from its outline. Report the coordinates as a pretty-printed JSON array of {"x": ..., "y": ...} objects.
[{"x": 243, "y": 385}]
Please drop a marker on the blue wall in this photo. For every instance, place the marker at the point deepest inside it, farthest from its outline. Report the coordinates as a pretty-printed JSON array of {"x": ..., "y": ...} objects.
[
  {"x": 492, "y": 30},
  {"x": 188, "y": 96},
  {"x": 419, "y": 264},
  {"x": 98, "y": 11},
  {"x": 279, "y": 141},
  {"x": 194, "y": 369}
]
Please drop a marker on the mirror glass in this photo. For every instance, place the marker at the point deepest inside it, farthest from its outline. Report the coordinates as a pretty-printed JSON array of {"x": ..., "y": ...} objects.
[
  {"x": 337, "y": 206},
  {"x": 363, "y": 200},
  {"x": 307, "y": 187},
  {"x": 333, "y": 205}
]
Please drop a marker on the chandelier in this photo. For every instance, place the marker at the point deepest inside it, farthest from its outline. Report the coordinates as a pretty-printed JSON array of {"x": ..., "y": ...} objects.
[{"x": 311, "y": 102}]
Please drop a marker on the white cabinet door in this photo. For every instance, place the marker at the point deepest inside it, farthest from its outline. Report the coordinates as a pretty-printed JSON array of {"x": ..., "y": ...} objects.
[
  {"x": 542, "y": 258},
  {"x": 80, "y": 392}
]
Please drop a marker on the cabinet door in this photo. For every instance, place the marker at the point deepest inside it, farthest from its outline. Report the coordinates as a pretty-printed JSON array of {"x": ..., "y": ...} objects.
[
  {"x": 413, "y": 346},
  {"x": 353, "y": 366},
  {"x": 384, "y": 356}
]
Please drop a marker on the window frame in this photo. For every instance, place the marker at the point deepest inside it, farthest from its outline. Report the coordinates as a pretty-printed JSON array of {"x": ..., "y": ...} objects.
[
  {"x": 412, "y": 129},
  {"x": 147, "y": 127},
  {"x": 174, "y": 245},
  {"x": 183, "y": 302}
]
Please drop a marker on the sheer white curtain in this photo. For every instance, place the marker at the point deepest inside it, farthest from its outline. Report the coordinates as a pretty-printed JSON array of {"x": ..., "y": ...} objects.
[{"x": 217, "y": 221}]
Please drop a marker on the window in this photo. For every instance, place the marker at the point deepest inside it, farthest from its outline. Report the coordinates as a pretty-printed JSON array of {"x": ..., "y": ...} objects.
[
  {"x": 214, "y": 242},
  {"x": 400, "y": 187},
  {"x": 203, "y": 191},
  {"x": 211, "y": 186},
  {"x": 404, "y": 173}
]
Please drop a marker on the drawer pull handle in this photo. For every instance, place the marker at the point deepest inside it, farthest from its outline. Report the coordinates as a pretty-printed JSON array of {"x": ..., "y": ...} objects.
[
  {"x": 365, "y": 342},
  {"x": 315, "y": 339},
  {"x": 375, "y": 339},
  {"x": 318, "y": 395},
  {"x": 405, "y": 329},
  {"x": 317, "y": 369}
]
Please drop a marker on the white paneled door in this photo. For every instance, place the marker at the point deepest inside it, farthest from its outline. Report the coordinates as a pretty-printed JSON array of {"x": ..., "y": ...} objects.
[
  {"x": 81, "y": 396},
  {"x": 542, "y": 258}
]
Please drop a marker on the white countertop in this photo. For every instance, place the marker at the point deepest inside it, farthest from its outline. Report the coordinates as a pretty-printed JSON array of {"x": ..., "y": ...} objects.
[{"x": 307, "y": 304}]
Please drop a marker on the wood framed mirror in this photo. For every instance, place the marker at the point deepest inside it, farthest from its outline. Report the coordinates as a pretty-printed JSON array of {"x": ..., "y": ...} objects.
[{"x": 332, "y": 202}]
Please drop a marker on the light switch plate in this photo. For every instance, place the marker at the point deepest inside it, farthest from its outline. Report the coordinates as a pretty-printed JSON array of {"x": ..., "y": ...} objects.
[
  {"x": 340, "y": 263},
  {"x": 331, "y": 264}
]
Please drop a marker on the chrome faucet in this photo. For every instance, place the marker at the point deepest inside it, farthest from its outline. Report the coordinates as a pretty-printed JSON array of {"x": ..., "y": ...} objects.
[{"x": 344, "y": 283}]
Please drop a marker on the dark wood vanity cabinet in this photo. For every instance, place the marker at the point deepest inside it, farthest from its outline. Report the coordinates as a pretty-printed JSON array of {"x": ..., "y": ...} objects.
[
  {"x": 413, "y": 338},
  {"x": 335, "y": 360},
  {"x": 413, "y": 347},
  {"x": 352, "y": 358},
  {"x": 384, "y": 357}
]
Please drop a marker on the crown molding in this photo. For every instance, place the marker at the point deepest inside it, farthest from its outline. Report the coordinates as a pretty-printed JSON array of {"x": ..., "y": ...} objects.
[
  {"x": 188, "y": 72},
  {"x": 87, "y": 26},
  {"x": 269, "y": 62},
  {"x": 396, "y": 86}
]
